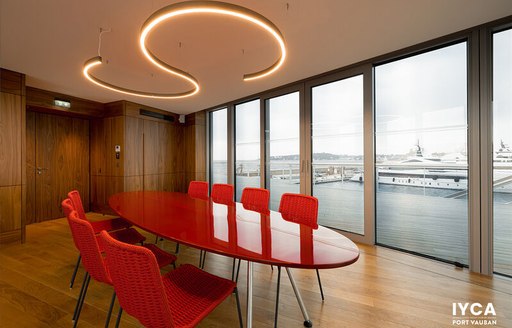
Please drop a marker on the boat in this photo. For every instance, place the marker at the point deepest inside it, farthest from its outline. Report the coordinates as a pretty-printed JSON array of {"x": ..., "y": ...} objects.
[{"x": 449, "y": 172}]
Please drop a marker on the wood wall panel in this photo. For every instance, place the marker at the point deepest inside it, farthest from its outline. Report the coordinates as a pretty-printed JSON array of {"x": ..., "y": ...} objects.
[
  {"x": 98, "y": 146},
  {"x": 10, "y": 139},
  {"x": 152, "y": 154},
  {"x": 31, "y": 168},
  {"x": 133, "y": 183},
  {"x": 177, "y": 152},
  {"x": 42, "y": 100},
  {"x": 152, "y": 148},
  {"x": 116, "y": 136},
  {"x": 12, "y": 82},
  {"x": 62, "y": 151},
  {"x": 98, "y": 196},
  {"x": 10, "y": 211},
  {"x": 115, "y": 108},
  {"x": 134, "y": 146},
  {"x": 194, "y": 147},
  {"x": 12, "y": 156},
  {"x": 133, "y": 110}
]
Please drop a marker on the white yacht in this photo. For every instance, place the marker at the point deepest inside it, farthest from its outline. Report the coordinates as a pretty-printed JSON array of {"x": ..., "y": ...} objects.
[{"x": 427, "y": 172}]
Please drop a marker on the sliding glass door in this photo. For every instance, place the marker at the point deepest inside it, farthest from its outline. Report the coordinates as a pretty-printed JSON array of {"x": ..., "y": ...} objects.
[
  {"x": 283, "y": 169},
  {"x": 337, "y": 153},
  {"x": 397, "y": 151},
  {"x": 502, "y": 150},
  {"x": 219, "y": 146},
  {"x": 421, "y": 153},
  {"x": 247, "y": 146}
]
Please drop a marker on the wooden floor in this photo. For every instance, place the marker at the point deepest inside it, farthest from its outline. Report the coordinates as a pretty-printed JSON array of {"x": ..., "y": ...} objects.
[{"x": 384, "y": 288}]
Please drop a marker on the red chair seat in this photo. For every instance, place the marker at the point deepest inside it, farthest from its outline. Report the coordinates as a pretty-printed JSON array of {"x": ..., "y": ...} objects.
[
  {"x": 162, "y": 257},
  {"x": 193, "y": 293},
  {"x": 109, "y": 225},
  {"x": 130, "y": 235}
]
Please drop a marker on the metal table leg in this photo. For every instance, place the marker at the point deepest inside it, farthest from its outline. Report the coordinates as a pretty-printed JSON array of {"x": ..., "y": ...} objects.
[
  {"x": 249, "y": 294},
  {"x": 307, "y": 321}
]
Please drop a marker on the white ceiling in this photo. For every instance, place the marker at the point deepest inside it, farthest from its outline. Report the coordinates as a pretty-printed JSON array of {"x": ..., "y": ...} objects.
[{"x": 50, "y": 40}]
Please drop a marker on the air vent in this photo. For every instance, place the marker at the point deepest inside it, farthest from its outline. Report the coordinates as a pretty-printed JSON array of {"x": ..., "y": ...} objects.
[{"x": 149, "y": 113}]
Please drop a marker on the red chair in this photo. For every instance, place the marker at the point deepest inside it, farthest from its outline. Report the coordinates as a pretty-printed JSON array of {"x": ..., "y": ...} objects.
[
  {"x": 223, "y": 193},
  {"x": 299, "y": 209},
  {"x": 256, "y": 199},
  {"x": 253, "y": 199},
  {"x": 198, "y": 189},
  {"x": 86, "y": 241},
  {"x": 131, "y": 236},
  {"x": 181, "y": 298},
  {"x": 109, "y": 224}
]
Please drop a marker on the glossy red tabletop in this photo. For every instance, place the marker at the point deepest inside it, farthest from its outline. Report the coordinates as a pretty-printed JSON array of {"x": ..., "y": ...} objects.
[{"x": 234, "y": 231}]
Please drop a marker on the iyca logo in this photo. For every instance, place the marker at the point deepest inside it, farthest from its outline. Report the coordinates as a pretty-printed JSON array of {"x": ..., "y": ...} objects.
[{"x": 474, "y": 314}]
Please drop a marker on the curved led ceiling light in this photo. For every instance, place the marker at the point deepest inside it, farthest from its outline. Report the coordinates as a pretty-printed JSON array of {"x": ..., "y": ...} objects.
[
  {"x": 183, "y": 8},
  {"x": 210, "y": 7},
  {"x": 95, "y": 61}
]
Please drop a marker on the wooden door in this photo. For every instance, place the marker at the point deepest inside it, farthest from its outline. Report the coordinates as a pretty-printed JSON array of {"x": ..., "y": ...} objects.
[{"x": 57, "y": 162}]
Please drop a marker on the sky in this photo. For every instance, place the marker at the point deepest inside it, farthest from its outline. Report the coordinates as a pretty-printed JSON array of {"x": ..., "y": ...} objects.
[{"x": 420, "y": 98}]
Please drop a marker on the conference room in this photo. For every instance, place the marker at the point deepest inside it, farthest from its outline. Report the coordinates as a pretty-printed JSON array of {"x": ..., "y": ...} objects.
[{"x": 255, "y": 163}]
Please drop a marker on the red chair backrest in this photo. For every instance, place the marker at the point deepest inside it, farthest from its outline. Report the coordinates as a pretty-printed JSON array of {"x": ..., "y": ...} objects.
[
  {"x": 256, "y": 199},
  {"x": 137, "y": 282},
  {"x": 198, "y": 189},
  {"x": 223, "y": 193},
  {"x": 67, "y": 206},
  {"x": 299, "y": 209},
  {"x": 77, "y": 204},
  {"x": 87, "y": 244}
]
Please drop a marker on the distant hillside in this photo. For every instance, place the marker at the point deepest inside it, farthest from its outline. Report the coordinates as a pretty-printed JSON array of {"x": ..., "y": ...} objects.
[{"x": 316, "y": 156}]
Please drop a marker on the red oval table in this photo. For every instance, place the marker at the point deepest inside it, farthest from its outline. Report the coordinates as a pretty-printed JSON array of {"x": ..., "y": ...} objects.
[{"x": 233, "y": 231}]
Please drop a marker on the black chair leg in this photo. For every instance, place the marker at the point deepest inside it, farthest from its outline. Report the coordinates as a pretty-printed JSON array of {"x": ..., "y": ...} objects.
[
  {"x": 277, "y": 295},
  {"x": 320, "y": 284},
  {"x": 80, "y": 296},
  {"x": 72, "y": 282},
  {"x": 200, "y": 258},
  {"x": 82, "y": 301},
  {"x": 156, "y": 239},
  {"x": 107, "y": 323},
  {"x": 239, "y": 309},
  {"x": 233, "y": 270},
  {"x": 238, "y": 270},
  {"x": 177, "y": 248},
  {"x": 204, "y": 259},
  {"x": 119, "y": 316}
]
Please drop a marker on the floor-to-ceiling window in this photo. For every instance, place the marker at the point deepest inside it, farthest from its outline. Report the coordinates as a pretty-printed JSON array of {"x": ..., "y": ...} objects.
[
  {"x": 247, "y": 146},
  {"x": 282, "y": 146},
  {"x": 420, "y": 118},
  {"x": 502, "y": 150},
  {"x": 218, "y": 146},
  {"x": 421, "y": 153},
  {"x": 337, "y": 153}
]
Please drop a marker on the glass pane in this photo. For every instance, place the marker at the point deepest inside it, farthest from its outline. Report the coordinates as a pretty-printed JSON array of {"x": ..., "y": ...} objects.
[
  {"x": 283, "y": 147},
  {"x": 337, "y": 139},
  {"x": 219, "y": 146},
  {"x": 421, "y": 154},
  {"x": 502, "y": 111},
  {"x": 247, "y": 146}
]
